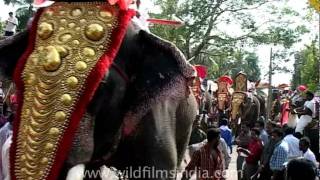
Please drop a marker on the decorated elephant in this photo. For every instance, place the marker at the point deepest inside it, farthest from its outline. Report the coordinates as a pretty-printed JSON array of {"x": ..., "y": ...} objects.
[
  {"x": 245, "y": 107},
  {"x": 95, "y": 89}
]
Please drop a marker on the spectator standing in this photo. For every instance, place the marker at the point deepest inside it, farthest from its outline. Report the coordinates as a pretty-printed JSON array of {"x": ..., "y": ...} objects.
[
  {"x": 242, "y": 141},
  {"x": 279, "y": 156},
  {"x": 306, "y": 152},
  {"x": 208, "y": 160},
  {"x": 226, "y": 133},
  {"x": 263, "y": 133},
  {"x": 11, "y": 24},
  {"x": 293, "y": 143},
  {"x": 197, "y": 134},
  {"x": 253, "y": 152},
  {"x": 264, "y": 169},
  {"x": 301, "y": 169}
]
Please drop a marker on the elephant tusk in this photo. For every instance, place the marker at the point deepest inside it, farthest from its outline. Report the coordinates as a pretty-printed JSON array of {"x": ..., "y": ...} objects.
[{"x": 76, "y": 172}]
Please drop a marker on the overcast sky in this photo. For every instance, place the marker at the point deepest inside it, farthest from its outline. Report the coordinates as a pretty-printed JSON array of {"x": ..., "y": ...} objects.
[{"x": 262, "y": 51}]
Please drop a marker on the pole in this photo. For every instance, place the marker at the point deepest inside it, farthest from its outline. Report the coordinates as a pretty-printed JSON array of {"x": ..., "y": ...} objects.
[
  {"x": 269, "y": 105},
  {"x": 318, "y": 93}
]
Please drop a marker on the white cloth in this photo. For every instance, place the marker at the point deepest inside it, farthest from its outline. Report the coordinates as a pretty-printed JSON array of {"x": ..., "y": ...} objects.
[
  {"x": 1, "y": 93},
  {"x": 6, "y": 159},
  {"x": 293, "y": 145},
  {"x": 305, "y": 119},
  {"x": 5, "y": 133},
  {"x": 310, "y": 156},
  {"x": 11, "y": 25}
]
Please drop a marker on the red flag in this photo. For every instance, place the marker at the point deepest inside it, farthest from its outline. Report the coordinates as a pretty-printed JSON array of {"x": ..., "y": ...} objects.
[{"x": 201, "y": 71}]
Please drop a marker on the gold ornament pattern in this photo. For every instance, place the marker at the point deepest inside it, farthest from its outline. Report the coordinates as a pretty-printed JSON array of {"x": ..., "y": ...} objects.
[
  {"x": 241, "y": 83},
  {"x": 315, "y": 4},
  {"x": 71, "y": 37}
]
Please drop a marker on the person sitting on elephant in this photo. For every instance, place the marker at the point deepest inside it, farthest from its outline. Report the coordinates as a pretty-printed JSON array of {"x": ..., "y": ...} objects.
[
  {"x": 208, "y": 161},
  {"x": 197, "y": 134},
  {"x": 306, "y": 112}
]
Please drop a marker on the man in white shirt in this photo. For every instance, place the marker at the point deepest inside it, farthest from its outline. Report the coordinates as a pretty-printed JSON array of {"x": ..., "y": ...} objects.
[
  {"x": 304, "y": 145},
  {"x": 293, "y": 143},
  {"x": 11, "y": 25},
  {"x": 306, "y": 113}
]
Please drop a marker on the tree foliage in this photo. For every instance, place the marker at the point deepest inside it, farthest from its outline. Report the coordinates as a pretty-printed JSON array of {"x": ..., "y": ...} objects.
[
  {"x": 306, "y": 67},
  {"x": 204, "y": 37}
]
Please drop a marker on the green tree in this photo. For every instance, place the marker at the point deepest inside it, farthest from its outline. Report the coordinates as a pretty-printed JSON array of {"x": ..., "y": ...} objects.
[
  {"x": 203, "y": 39},
  {"x": 305, "y": 69}
]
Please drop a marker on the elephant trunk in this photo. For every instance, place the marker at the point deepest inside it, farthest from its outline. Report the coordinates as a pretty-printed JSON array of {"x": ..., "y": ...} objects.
[{"x": 235, "y": 110}]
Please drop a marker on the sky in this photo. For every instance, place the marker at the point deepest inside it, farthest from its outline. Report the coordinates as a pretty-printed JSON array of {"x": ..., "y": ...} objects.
[{"x": 262, "y": 51}]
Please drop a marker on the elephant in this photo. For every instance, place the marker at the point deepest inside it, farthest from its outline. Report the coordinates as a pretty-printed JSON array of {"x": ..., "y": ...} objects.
[
  {"x": 146, "y": 90},
  {"x": 245, "y": 107}
]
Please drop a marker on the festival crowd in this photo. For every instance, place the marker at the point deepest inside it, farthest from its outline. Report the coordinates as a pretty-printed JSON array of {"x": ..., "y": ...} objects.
[{"x": 286, "y": 146}]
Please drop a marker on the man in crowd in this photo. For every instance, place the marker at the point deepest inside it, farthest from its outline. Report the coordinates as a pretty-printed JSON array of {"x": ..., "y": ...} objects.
[
  {"x": 264, "y": 169},
  {"x": 207, "y": 162},
  {"x": 293, "y": 143},
  {"x": 279, "y": 156},
  {"x": 306, "y": 152},
  {"x": 306, "y": 112},
  {"x": 301, "y": 169},
  {"x": 253, "y": 152},
  {"x": 197, "y": 134},
  {"x": 263, "y": 134},
  {"x": 242, "y": 141},
  {"x": 11, "y": 24},
  {"x": 226, "y": 133}
]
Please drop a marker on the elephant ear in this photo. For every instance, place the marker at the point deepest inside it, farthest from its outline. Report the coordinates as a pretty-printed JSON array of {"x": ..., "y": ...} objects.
[
  {"x": 161, "y": 72},
  {"x": 11, "y": 49}
]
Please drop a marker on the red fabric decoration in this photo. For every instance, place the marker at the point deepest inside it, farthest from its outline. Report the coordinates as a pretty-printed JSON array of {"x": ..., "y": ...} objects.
[
  {"x": 226, "y": 79},
  {"x": 201, "y": 71},
  {"x": 165, "y": 22},
  {"x": 123, "y": 4},
  {"x": 302, "y": 88},
  {"x": 92, "y": 84}
]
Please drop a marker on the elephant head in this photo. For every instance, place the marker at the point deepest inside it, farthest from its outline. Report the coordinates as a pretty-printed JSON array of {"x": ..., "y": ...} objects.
[
  {"x": 238, "y": 99},
  {"x": 141, "y": 99}
]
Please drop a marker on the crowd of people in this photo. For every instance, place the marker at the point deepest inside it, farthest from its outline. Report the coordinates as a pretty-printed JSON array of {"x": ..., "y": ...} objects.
[
  {"x": 271, "y": 150},
  {"x": 8, "y": 107}
]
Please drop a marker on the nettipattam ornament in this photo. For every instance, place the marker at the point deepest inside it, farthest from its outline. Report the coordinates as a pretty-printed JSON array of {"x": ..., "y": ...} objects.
[{"x": 71, "y": 46}]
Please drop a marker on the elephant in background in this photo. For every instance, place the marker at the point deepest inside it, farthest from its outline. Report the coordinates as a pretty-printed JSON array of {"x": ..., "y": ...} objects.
[
  {"x": 146, "y": 89},
  {"x": 246, "y": 108}
]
